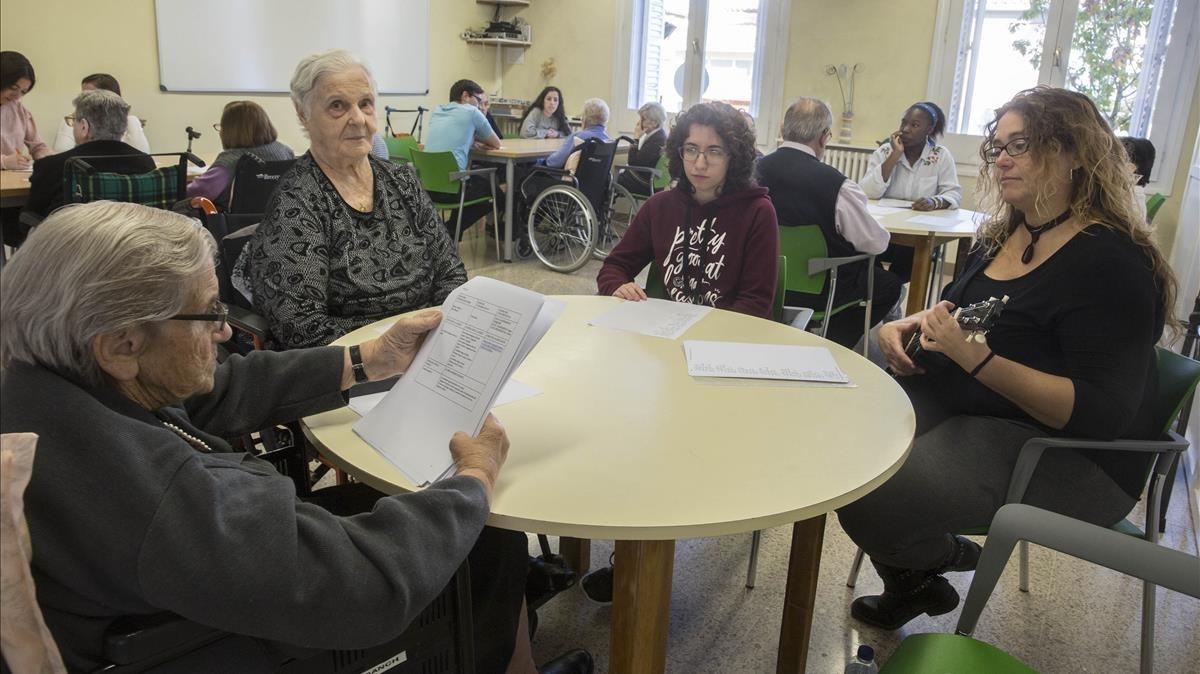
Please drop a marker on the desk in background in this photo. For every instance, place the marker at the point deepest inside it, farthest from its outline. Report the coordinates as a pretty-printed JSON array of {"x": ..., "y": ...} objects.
[
  {"x": 14, "y": 185},
  {"x": 959, "y": 225},
  {"x": 623, "y": 444}
]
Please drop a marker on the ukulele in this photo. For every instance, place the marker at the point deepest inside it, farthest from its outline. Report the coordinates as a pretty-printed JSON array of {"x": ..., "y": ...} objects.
[{"x": 976, "y": 319}]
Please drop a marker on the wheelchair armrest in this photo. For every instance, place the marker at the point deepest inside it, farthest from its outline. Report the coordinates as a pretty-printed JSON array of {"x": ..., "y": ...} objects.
[
  {"x": 819, "y": 264},
  {"x": 551, "y": 172},
  {"x": 1031, "y": 453},
  {"x": 157, "y": 637},
  {"x": 650, "y": 171}
]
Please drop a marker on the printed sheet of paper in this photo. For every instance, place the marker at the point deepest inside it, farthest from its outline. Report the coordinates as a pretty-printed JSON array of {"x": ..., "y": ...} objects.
[
  {"x": 487, "y": 328},
  {"x": 880, "y": 211},
  {"x": 653, "y": 317},
  {"x": 511, "y": 393},
  {"x": 937, "y": 220},
  {"x": 894, "y": 203},
  {"x": 762, "y": 361}
]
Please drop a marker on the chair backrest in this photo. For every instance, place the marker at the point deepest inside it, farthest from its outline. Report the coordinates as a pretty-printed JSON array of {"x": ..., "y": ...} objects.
[
  {"x": 254, "y": 181},
  {"x": 1177, "y": 379},
  {"x": 1153, "y": 203},
  {"x": 780, "y": 289},
  {"x": 400, "y": 148},
  {"x": 434, "y": 169},
  {"x": 850, "y": 160},
  {"x": 799, "y": 244},
  {"x": 159, "y": 188},
  {"x": 663, "y": 181},
  {"x": 594, "y": 171},
  {"x": 654, "y": 282}
]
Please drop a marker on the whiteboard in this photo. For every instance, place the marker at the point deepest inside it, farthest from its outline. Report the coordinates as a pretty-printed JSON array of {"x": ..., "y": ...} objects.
[{"x": 254, "y": 45}]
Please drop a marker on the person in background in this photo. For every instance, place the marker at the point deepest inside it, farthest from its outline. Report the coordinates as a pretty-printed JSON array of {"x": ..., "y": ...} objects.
[
  {"x": 245, "y": 128},
  {"x": 546, "y": 117},
  {"x": 98, "y": 124},
  {"x": 456, "y": 127},
  {"x": 134, "y": 136},
  {"x": 1072, "y": 355},
  {"x": 594, "y": 120},
  {"x": 485, "y": 106},
  {"x": 912, "y": 166},
  {"x": 651, "y": 132},
  {"x": 806, "y": 191},
  {"x": 20, "y": 143},
  {"x": 379, "y": 148},
  {"x": 1141, "y": 162}
]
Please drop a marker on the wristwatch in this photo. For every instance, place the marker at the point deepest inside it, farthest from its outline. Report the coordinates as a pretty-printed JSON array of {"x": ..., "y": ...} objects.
[{"x": 356, "y": 364}]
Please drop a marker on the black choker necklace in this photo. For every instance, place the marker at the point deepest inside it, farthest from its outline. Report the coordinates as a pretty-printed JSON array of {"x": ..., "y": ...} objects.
[{"x": 1035, "y": 233}]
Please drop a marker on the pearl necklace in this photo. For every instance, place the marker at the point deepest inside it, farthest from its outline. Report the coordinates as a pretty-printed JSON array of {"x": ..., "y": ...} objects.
[{"x": 189, "y": 438}]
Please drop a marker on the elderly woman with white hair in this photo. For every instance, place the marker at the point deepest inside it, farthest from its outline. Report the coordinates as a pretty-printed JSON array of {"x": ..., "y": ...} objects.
[
  {"x": 651, "y": 132},
  {"x": 594, "y": 118},
  {"x": 347, "y": 239},
  {"x": 137, "y": 504}
]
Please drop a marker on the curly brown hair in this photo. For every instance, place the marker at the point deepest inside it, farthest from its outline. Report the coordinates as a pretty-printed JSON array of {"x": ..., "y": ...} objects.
[
  {"x": 734, "y": 132},
  {"x": 1056, "y": 121}
]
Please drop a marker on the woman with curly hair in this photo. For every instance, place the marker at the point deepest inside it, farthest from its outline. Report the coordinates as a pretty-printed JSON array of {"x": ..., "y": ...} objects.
[
  {"x": 713, "y": 238},
  {"x": 1072, "y": 355}
]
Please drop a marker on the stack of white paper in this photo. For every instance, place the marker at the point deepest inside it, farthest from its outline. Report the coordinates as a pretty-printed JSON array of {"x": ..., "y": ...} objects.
[
  {"x": 894, "y": 203},
  {"x": 487, "y": 330},
  {"x": 653, "y": 317},
  {"x": 762, "y": 361}
]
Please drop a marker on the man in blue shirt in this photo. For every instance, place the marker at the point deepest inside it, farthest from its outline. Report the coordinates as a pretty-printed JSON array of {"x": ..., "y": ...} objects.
[{"x": 455, "y": 127}]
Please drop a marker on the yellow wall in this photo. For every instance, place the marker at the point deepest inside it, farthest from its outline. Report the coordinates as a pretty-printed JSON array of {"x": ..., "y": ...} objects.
[{"x": 891, "y": 39}]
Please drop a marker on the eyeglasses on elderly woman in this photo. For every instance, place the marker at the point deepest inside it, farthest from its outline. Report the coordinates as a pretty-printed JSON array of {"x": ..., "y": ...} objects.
[{"x": 219, "y": 316}]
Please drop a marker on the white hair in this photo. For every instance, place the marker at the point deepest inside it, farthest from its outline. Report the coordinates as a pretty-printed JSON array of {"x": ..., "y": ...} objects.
[
  {"x": 312, "y": 68},
  {"x": 114, "y": 265},
  {"x": 655, "y": 111},
  {"x": 806, "y": 119},
  {"x": 595, "y": 111},
  {"x": 106, "y": 112}
]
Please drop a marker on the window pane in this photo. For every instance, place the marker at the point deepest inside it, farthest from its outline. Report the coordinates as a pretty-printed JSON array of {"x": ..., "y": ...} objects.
[
  {"x": 729, "y": 45},
  {"x": 1001, "y": 56},
  {"x": 1116, "y": 59},
  {"x": 664, "y": 51}
]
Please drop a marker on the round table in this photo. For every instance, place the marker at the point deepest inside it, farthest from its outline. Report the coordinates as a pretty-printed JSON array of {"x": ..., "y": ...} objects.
[
  {"x": 622, "y": 443},
  {"x": 957, "y": 224}
]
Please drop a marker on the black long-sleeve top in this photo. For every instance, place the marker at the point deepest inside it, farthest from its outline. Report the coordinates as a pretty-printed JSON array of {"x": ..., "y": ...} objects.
[{"x": 1092, "y": 313}]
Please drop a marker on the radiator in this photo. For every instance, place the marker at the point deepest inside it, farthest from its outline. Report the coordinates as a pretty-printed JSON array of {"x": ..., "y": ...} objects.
[{"x": 851, "y": 161}]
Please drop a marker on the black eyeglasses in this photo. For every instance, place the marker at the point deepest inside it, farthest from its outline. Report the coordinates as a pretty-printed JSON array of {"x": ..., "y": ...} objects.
[
  {"x": 220, "y": 316},
  {"x": 1015, "y": 148},
  {"x": 217, "y": 128}
]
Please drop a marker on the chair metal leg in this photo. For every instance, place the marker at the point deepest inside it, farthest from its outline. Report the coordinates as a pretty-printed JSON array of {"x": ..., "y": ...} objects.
[
  {"x": 752, "y": 572},
  {"x": 1024, "y": 582},
  {"x": 852, "y": 579},
  {"x": 829, "y": 302},
  {"x": 495, "y": 215},
  {"x": 870, "y": 304},
  {"x": 1149, "y": 590}
]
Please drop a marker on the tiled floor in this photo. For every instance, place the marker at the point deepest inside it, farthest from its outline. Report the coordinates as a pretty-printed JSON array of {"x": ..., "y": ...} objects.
[{"x": 1076, "y": 618}]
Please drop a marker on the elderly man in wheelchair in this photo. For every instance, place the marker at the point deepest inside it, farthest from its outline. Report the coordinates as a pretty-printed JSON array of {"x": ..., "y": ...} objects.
[{"x": 574, "y": 207}]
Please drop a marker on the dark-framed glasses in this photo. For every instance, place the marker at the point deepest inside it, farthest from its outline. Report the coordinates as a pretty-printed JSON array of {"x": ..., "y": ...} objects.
[
  {"x": 217, "y": 128},
  {"x": 1015, "y": 148},
  {"x": 70, "y": 120},
  {"x": 713, "y": 155},
  {"x": 219, "y": 316}
]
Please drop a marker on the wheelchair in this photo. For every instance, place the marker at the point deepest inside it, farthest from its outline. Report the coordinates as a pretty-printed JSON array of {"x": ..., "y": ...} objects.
[{"x": 574, "y": 218}]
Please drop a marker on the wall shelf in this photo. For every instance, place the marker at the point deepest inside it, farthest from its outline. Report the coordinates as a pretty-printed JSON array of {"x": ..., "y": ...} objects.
[
  {"x": 504, "y": 3},
  {"x": 498, "y": 41}
]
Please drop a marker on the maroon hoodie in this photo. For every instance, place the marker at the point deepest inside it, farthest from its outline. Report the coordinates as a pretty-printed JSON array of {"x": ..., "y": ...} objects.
[{"x": 723, "y": 253}]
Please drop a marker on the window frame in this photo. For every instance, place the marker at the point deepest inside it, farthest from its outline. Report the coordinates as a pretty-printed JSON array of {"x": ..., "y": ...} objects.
[
  {"x": 769, "y": 65},
  {"x": 1176, "y": 85}
]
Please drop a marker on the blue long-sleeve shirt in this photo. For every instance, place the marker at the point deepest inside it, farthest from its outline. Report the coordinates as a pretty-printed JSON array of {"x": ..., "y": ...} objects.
[{"x": 559, "y": 158}]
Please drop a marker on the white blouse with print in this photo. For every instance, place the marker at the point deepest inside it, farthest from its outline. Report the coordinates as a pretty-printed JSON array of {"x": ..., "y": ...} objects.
[{"x": 933, "y": 175}]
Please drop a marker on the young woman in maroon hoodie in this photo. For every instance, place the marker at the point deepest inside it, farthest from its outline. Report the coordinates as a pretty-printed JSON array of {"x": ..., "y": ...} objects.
[{"x": 714, "y": 237}]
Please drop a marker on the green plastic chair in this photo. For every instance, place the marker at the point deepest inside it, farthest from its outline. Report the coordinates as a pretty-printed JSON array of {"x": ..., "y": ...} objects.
[
  {"x": 1177, "y": 379},
  {"x": 1154, "y": 564},
  {"x": 804, "y": 247},
  {"x": 660, "y": 177},
  {"x": 1153, "y": 203},
  {"x": 400, "y": 149},
  {"x": 439, "y": 173}
]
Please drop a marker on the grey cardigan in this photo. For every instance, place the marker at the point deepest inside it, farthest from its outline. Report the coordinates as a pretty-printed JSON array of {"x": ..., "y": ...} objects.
[{"x": 128, "y": 518}]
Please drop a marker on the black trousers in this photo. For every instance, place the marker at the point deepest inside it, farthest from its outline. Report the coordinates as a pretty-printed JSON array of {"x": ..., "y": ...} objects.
[
  {"x": 901, "y": 260},
  {"x": 499, "y": 563},
  {"x": 846, "y": 328},
  {"x": 477, "y": 188},
  {"x": 956, "y": 478}
]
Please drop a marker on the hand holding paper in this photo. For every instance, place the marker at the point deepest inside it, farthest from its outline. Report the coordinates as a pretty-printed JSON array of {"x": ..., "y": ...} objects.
[
  {"x": 392, "y": 352},
  {"x": 481, "y": 456}
]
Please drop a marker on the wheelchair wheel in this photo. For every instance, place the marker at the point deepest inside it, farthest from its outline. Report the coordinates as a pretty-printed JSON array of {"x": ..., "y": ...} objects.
[
  {"x": 621, "y": 208},
  {"x": 562, "y": 228}
]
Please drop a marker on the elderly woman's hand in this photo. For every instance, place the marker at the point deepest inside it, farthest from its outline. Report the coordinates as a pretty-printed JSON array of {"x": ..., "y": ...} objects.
[
  {"x": 392, "y": 353},
  {"x": 481, "y": 456}
]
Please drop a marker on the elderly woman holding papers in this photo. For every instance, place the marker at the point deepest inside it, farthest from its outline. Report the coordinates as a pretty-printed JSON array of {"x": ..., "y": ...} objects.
[{"x": 138, "y": 505}]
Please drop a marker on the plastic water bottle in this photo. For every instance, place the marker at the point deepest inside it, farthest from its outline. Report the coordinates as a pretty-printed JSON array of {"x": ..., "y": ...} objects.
[{"x": 863, "y": 662}]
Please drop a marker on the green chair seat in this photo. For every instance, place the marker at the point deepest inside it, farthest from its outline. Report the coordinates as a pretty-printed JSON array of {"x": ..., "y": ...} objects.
[
  {"x": 400, "y": 149},
  {"x": 951, "y": 654}
]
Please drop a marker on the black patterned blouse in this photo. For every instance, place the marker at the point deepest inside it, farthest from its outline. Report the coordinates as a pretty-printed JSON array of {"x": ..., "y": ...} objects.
[{"x": 319, "y": 268}]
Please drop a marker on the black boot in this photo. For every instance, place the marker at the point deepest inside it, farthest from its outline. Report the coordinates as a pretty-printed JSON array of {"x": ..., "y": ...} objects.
[
  {"x": 965, "y": 556},
  {"x": 907, "y": 593}
]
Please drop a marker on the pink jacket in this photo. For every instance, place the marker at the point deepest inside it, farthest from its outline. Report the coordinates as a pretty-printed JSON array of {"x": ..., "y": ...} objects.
[{"x": 17, "y": 130}]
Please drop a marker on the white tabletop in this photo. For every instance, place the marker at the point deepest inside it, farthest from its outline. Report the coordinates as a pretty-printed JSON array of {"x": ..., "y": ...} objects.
[
  {"x": 623, "y": 444},
  {"x": 952, "y": 223}
]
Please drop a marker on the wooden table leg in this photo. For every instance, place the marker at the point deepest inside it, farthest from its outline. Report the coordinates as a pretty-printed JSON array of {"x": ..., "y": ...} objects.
[
  {"x": 804, "y": 565},
  {"x": 641, "y": 606},
  {"x": 577, "y": 552},
  {"x": 919, "y": 285}
]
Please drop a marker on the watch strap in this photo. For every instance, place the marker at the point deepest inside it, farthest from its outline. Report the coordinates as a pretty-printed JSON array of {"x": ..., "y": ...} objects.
[{"x": 356, "y": 364}]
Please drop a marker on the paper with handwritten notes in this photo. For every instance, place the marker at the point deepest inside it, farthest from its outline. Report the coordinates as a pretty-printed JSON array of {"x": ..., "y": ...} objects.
[{"x": 762, "y": 361}]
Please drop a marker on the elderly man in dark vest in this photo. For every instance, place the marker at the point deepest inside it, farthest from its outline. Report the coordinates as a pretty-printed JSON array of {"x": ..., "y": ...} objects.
[{"x": 808, "y": 192}]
